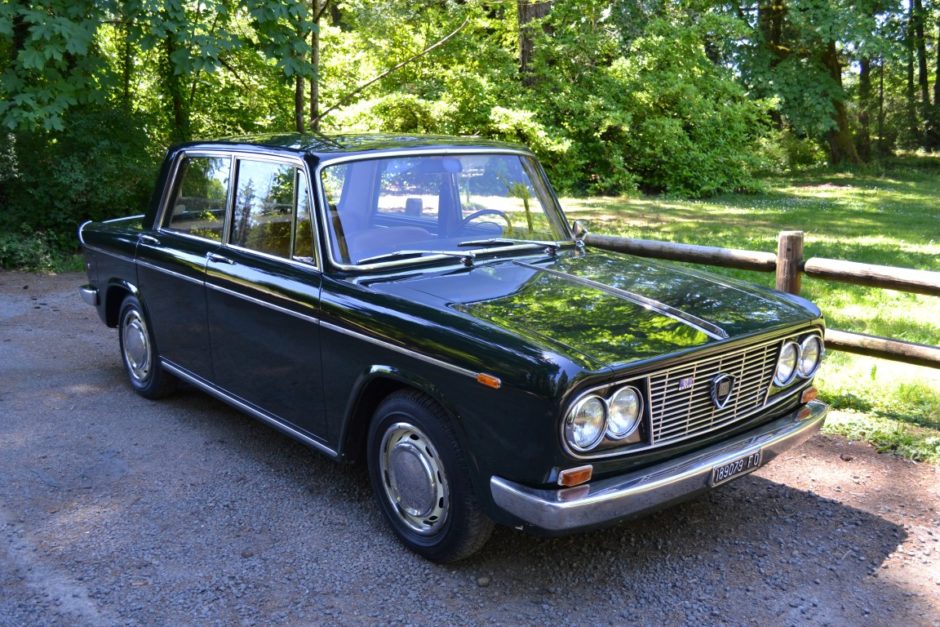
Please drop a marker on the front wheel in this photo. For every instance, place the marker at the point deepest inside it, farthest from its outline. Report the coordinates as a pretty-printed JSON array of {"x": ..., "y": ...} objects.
[
  {"x": 139, "y": 352},
  {"x": 420, "y": 478}
]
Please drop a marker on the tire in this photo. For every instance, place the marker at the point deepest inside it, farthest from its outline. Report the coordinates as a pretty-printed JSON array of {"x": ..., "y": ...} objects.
[
  {"x": 420, "y": 478},
  {"x": 139, "y": 352}
]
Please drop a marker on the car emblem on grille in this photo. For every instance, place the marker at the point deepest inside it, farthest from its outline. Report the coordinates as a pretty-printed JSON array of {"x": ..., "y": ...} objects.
[
  {"x": 722, "y": 389},
  {"x": 685, "y": 383}
]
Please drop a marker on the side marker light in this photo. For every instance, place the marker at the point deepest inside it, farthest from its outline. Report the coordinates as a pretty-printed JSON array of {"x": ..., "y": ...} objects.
[{"x": 489, "y": 380}]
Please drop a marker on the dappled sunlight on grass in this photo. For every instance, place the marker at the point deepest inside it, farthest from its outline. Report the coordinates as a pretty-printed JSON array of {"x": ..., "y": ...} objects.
[{"x": 888, "y": 217}]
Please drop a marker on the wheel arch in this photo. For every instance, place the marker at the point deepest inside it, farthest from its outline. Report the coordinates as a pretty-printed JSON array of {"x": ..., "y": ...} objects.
[
  {"x": 376, "y": 384},
  {"x": 115, "y": 293}
]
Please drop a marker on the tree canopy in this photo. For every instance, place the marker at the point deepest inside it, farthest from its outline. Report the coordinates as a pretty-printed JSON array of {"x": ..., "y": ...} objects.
[{"x": 689, "y": 97}]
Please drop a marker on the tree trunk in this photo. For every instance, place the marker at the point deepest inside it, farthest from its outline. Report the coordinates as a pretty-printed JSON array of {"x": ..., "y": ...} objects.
[
  {"x": 770, "y": 18},
  {"x": 921, "y": 45},
  {"x": 174, "y": 86},
  {"x": 527, "y": 11},
  {"x": 911, "y": 105},
  {"x": 863, "y": 139},
  {"x": 127, "y": 58},
  {"x": 20, "y": 29},
  {"x": 882, "y": 146},
  {"x": 299, "y": 103},
  {"x": 841, "y": 146},
  {"x": 936, "y": 80},
  {"x": 933, "y": 119},
  {"x": 316, "y": 9}
]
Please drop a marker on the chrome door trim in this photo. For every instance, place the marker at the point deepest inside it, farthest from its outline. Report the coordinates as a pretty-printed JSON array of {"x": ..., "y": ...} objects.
[
  {"x": 261, "y": 303},
  {"x": 108, "y": 252},
  {"x": 233, "y": 400},
  {"x": 178, "y": 275},
  {"x": 400, "y": 349}
]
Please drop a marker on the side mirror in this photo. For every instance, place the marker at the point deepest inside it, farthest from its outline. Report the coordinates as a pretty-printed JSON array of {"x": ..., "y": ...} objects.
[{"x": 580, "y": 228}]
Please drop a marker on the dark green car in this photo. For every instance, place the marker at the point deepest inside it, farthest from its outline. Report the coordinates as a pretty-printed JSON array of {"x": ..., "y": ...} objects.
[{"x": 422, "y": 303}]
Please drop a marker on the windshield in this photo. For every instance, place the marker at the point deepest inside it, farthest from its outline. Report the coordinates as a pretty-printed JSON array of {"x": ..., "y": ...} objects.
[{"x": 406, "y": 207}]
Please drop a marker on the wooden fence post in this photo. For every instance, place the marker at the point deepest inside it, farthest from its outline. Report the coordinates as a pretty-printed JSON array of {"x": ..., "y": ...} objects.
[{"x": 789, "y": 261}]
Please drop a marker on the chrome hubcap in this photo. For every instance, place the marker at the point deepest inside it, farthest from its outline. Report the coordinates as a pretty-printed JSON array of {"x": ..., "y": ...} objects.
[
  {"x": 136, "y": 345},
  {"x": 413, "y": 478}
]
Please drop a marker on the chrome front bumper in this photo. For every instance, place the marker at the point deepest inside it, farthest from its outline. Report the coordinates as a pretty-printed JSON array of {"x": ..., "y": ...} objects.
[
  {"x": 609, "y": 500},
  {"x": 89, "y": 295}
]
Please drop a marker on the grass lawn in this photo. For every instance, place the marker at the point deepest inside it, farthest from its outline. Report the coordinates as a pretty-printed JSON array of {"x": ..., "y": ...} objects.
[{"x": 890, "y": 216}]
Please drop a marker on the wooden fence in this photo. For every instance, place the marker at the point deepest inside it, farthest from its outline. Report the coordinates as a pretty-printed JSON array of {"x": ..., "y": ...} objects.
[{"x": 789, "y": 266}]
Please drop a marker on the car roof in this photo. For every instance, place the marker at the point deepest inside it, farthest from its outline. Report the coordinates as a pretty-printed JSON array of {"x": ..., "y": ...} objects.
[{"x": 326, "y": 147}]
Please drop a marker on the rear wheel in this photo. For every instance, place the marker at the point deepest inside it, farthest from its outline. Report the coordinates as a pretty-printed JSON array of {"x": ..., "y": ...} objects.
[
  {"x": 139, "y": 352},
  {"x": 420, "y": 478}
]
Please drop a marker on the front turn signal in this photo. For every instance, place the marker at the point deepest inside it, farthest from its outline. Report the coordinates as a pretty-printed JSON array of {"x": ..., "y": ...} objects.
[{"x": 575, "y": 476}]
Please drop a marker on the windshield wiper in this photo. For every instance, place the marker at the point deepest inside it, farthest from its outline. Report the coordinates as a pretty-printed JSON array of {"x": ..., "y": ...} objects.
[
  {"x": 466, "y": 258},
  {"x": 550, "y": 247}
]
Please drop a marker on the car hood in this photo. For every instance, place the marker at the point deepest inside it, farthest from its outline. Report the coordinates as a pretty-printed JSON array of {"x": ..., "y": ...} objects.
[{"x": 601, "y": 309}]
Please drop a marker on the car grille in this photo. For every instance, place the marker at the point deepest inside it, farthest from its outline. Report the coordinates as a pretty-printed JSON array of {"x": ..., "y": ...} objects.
[{"x": 678, "y": 414}]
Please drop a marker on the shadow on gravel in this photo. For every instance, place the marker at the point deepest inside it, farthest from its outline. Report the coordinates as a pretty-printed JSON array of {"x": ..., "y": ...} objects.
[{"x": 754, "y": 549}]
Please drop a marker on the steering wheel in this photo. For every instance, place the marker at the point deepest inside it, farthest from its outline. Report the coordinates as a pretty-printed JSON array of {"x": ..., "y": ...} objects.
[{"x": 485, "y": 212}]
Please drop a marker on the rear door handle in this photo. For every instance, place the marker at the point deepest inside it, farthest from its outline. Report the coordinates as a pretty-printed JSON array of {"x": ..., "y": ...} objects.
[
  {"x": 218, "y": 258},
  {"x": 149, "y": 239}
]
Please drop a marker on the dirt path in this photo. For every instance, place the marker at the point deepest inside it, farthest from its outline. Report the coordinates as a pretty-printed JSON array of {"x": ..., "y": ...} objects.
[{"x": 114, "y": 509}]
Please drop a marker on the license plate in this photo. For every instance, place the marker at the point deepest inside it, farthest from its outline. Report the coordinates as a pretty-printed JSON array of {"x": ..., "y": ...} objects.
[{"x": 734, "y": 468}]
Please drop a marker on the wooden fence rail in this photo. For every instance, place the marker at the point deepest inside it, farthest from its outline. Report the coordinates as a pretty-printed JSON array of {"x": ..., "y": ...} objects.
[{"x": 789, "y": 266}]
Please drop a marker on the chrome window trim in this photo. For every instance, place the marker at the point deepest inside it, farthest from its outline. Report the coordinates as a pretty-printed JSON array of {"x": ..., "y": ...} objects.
[
  {"x": 138, "y": 216},
  {"x": 257, "y": 253},
  {"x": 385, "y": 154},
  {"x": 178, "y": 275},
  {"x": 637, "y": 448},
  {"x": 213, "y": 242},
  {"x": 236, "y": 156},
  {"x": 296, "y": 162},
  {"x": 233, "y": 400},
  {"x": 173, "y": 179},
  {"x": 262, "y": 303},
  {"x": 111, "y": 253},
  {"x": 399, "y": 349}
]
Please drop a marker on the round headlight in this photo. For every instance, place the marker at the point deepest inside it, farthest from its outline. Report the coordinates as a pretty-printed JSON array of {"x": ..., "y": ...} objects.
[
  {"x": 811, "y": 352},
  {"x": 787, "y": 363},
  {"x": 623, "y": 414},
  {"x": 586, "y": 422}
]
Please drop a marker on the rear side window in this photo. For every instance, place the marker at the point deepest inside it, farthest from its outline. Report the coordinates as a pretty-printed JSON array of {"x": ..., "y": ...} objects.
[
  {"x": 272, "y": 210},
  {"x": 199, "y": 203}
]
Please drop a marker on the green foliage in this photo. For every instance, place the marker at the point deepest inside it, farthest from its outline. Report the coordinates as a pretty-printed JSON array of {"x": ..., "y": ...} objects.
[
  {"x": 64, "y": 178},
  {"x": 689, "y": 97},
  {"x": 55, "y": 68},
  {"x": 694, "y": 131}
]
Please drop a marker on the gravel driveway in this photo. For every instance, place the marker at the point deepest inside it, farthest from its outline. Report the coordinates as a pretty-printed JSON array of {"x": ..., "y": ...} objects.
[{"x": 119, "y": 510}]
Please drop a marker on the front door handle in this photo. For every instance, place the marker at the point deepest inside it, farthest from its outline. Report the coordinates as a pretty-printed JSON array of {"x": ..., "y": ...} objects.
[
  {"x": 216, "y": 257},
  {"x": 148, "y": 239}
]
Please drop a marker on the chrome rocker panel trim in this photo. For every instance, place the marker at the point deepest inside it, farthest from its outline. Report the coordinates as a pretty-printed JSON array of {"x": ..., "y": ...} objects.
[{"x": 609, "y": 500}]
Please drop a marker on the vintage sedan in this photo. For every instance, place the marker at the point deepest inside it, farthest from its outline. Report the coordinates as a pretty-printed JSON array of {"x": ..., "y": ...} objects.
[{"x": 421, "y": 303}]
